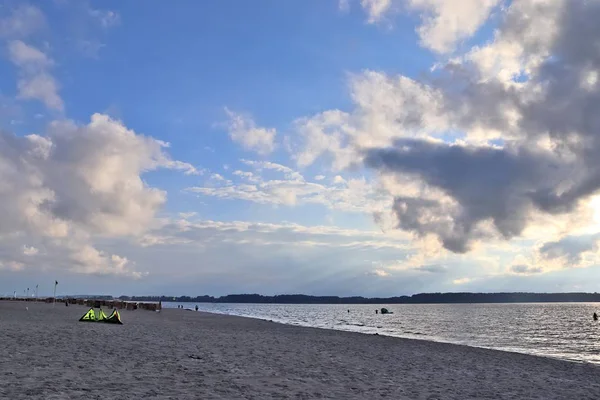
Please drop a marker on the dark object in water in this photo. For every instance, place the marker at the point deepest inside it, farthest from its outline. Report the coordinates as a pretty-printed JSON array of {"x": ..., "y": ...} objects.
[
  {"x": 595, "y": 317},
  {"x": 385, "y": 311}
]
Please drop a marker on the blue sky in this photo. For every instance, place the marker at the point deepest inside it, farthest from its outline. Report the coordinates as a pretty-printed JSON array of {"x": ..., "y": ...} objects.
[{"x": 301, "y": 146}]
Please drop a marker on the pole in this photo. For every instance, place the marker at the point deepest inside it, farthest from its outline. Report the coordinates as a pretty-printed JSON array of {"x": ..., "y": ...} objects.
[
  {"x": 54, "y": 301},
  {"x": 27, "y": 292},
  {"x": 36, "y": 291}
]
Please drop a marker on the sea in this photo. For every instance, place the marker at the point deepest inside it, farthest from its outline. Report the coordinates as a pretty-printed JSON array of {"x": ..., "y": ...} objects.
[{"x": 564, "y": 331}]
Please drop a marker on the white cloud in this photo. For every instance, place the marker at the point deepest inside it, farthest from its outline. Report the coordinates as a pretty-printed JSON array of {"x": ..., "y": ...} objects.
[
  {"x": 462, "y": 281},
  {"x": 22, "y": 21},
  {"x": 352, "y": 195},
  {"x": 380, "y": 272},
  {"x": 319, "y": 177},
  {"x": 344, "y": 5},
  {"x": 376, "y": 9},
  {"x": 35, "y": 82},
  {"x": 243, "y": 130},
  {"x": 188, "y": 215},
  {"x": 26, "y": 56},
  {"x": 41, "y": 87},
  {"x": 76, "y": 183},
  {"x": 446, "y": 22},
  {"x": 209, "y": 233},
  {"x": 30, "y": 250},
  {"x": 89, "y": 260},
  {"x": 386, "y": 108},
  {"x": 106, "y": 18}
]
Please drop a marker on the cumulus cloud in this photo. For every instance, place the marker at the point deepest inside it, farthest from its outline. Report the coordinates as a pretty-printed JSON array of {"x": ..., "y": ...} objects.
[
  {"x": 35, "y": 82},
  {"x": 76, "y": 182},
  {"x": 243, "y": 130}
]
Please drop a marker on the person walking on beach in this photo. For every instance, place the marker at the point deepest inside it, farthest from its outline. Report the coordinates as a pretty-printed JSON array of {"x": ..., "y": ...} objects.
[{"x": 196, "y": 307}]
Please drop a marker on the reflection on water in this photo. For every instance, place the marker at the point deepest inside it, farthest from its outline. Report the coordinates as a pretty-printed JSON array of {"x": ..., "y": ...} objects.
[{"x": 561, "y": 330}]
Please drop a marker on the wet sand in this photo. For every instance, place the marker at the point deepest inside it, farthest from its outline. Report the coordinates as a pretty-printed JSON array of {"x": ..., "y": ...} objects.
[{"x": 45, "y": 353}]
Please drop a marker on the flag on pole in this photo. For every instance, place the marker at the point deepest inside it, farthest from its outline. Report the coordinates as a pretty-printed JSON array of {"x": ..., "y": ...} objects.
[{"x": 54, "y": 300}]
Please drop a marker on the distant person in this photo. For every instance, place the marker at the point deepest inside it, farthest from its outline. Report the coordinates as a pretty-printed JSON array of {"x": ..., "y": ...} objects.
[
  {"x": 595, "y": 317},
  {"x": 348, "y": 311},
  {"x": 376, "y": 311},
  {"x": 196, "y": 307}
]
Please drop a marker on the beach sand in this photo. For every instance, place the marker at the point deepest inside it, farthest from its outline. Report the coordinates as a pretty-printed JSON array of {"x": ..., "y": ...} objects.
[{"x": 45, "y": 353}]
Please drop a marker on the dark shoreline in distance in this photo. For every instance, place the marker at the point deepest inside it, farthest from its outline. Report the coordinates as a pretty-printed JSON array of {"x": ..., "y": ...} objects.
[{"x": 422, "y": 298}]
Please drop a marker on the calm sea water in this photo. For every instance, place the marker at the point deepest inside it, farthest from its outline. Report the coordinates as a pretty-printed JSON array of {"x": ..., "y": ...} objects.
[{"x": 559, "y": 330}]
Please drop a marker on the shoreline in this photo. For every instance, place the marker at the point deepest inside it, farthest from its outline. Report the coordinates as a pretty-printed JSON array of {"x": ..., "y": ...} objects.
[
  {"x": 391, "y": 336},
  {"x": 47, "y": 353}
]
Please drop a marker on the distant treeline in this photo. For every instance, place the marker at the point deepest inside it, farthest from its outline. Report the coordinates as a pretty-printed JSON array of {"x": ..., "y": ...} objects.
[{"x": 422, "y": 298}]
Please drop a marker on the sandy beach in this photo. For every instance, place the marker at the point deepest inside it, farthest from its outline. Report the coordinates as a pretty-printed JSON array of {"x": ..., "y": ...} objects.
[{"x": 46, "y": 353}]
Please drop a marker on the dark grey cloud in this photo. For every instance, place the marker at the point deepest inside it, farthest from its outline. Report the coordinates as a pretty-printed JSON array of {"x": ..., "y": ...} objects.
[
  {"x": 487, "y": 183},
  {"x": 571, "y": 248},
  {"x": 525, "y": 269},
  {"x": 433, "y": 268}
]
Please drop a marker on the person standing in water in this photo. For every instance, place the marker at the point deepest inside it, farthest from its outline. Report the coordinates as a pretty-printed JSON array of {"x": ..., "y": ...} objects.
[
  {"x": 595, "y": 317},
  {"x": 196, "y": 307}
]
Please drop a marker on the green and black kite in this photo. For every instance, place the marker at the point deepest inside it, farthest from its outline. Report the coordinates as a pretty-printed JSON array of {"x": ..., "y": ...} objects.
[{"x": 91, "y": 316}]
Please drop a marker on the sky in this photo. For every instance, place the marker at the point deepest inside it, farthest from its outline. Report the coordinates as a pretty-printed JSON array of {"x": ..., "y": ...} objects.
[{"x": 323, "y": 147}]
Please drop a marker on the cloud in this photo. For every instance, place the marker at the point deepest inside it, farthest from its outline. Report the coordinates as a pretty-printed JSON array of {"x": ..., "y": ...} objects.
[
  {"x": 106, "y": 18},
  {"x": 572, "y": 251},
  {"x": 89, "y": 260},
  {"x": 243, "y": 130},
  {"x": 30, "y": 250},
  {"x": 76, "y": 183},
  {"x": 344, "y": 5},
  {"x": 488, "y": 145},
  {"x": 380, "y": 272},
  {"x": 35, "y": 82},
  {"x": 208, "y": 232},
  {"x": 352, "y": 195},
  {"x": 386, "y": 109},
  {"x": 475, "y": 178},
  {"x": 376, "y": 9},
  {"x": 447, "y": 22},
  {"x": 525, "y": 269},
  {"x": 444, "y": 23},
  {"x": 21, "y": 22},
  {"x": 462, "y": 281},
  {"x": 25, "y": 56},
  {"x": 434, "y": 269}
]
